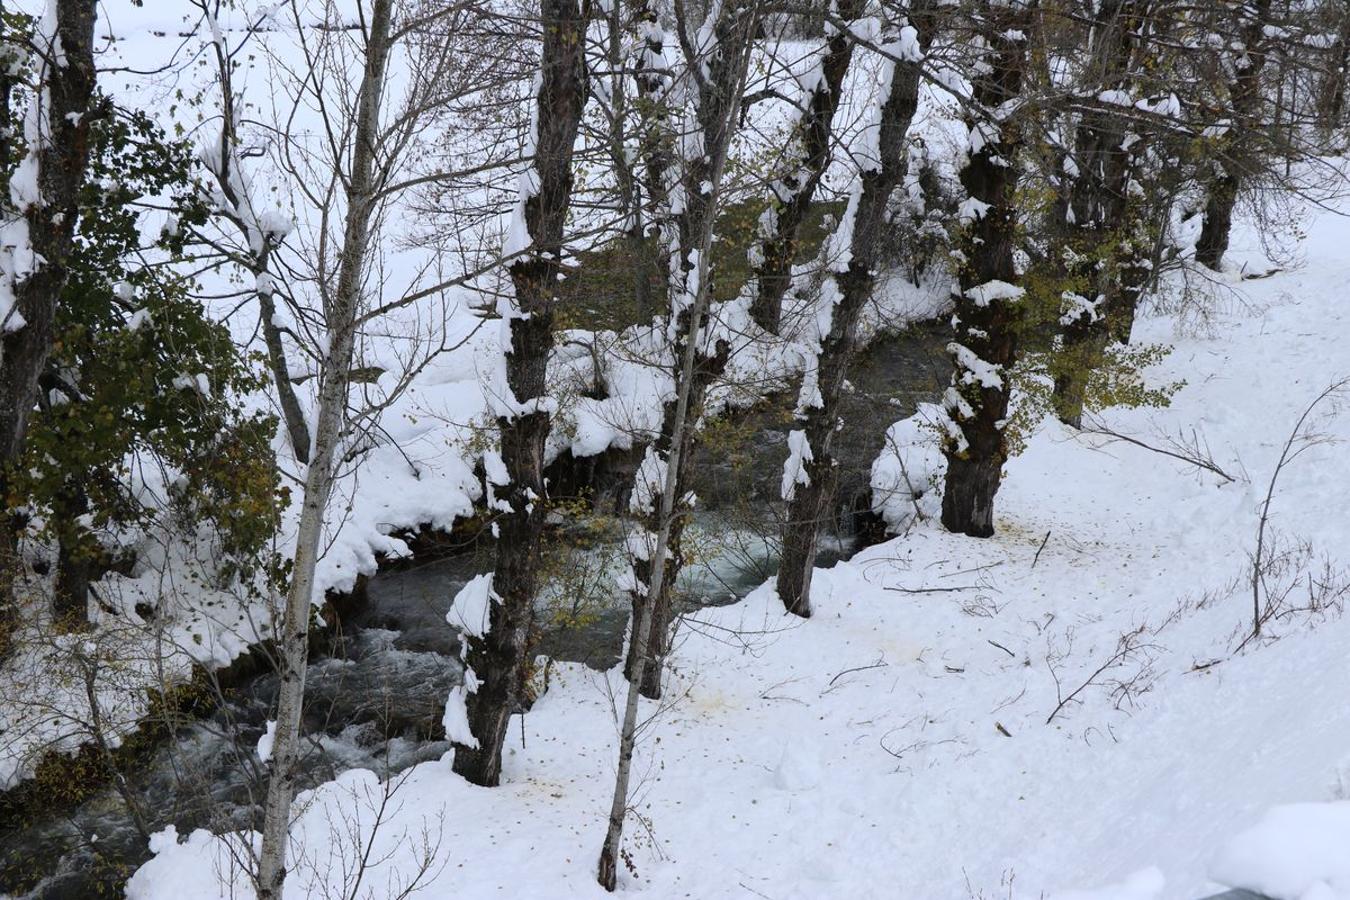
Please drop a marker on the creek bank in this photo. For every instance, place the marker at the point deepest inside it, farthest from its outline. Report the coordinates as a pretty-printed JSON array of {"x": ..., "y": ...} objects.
[{"x": 385, "y": 660}]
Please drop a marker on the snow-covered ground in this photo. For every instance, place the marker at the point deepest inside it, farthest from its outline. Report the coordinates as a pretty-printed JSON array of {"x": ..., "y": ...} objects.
[
  {"x": 421, "y": 471},
  {"x": 901, "y": 743}
]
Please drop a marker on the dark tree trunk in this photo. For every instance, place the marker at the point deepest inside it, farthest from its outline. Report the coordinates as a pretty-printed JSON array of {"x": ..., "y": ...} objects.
[
  {"x": 1245, "y": 100},
  {"x": 1218, "y": 221},
  {"x": 988, "y": 308},
  {"x": 74, "y": 563},
  {"x": 74, "y": 574},
  {"x": 292, "y": 415},
  {"x": 650, "y": 263},
  {"x": 792, "y": 194},
  {"x": 501, "y": 658},
  {"x": 718, "y": 100},
  {"x": 68, "y": 81},
  {"x": 1332, "y": 90},
  {"x": 1099, "y": 207},
  {"x": 813, "y": 497},
  {"x": 706, "y": 371}
]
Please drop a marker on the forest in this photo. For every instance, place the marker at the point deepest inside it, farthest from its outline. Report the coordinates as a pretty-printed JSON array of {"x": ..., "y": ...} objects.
[{"x": 693, "y": 448}]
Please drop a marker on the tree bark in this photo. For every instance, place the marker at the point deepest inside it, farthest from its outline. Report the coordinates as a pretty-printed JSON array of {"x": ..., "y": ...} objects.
[
  {"x": 1097, "y": 210},
  {"x": 500, "y": 659},
  {"x": 987, "y": 309},
  {"x": 1245, "y": 100},
  {"x": 74, "y": 567},
  {"x": 717, "y": 106},
  {"x": 341, "y": 307},
  {"x": 66, "y": 89},
  {"x": 1218, "y": 221},
  {"x": 706, "y": 371},
  {"x": 792, "y": 194},
  {"x": 812, "y": 495},
  {"x": 719, "y": 87}
]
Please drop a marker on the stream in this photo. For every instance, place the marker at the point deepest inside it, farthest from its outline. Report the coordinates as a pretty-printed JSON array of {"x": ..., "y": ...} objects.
[{"x": 375, "y": 698}]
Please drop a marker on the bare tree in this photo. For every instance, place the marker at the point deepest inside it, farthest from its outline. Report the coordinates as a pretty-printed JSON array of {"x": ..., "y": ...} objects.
[
  {"x": 707, "y": 94},
  {"x": 262, "y": 231},
  {"x": 361, "y": 186},
  {"x": 853, "y": 259},
  {"x": 987, "y": 305},
  {"x": 713, "y": 78},
  {"x": 499, "y": 658}
]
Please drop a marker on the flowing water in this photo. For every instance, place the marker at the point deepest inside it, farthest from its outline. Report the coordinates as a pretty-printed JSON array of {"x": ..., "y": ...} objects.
[{"x": 375, "y": 697}]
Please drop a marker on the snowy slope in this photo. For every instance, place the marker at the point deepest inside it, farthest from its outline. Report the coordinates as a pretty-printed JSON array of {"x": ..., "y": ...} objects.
[{"x": 897, "y": 745}]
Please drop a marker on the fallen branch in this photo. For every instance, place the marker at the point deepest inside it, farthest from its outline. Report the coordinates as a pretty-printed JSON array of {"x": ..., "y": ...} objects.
[
  {"x": 1190, "y": 452},
  {"x": 879, "y": 664}
]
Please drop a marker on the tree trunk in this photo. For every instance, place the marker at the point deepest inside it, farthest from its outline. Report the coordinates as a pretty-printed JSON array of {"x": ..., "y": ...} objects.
[
  {"x": 340, "y": 311},
  {"x": 297, "y": 429},
  {"x": 1097, "y": 215},
  {"x": 987, "y": 310},
  {"x": 59, "y": 147},
  {"x": 74, "y": 566},
  {"x": 809, "y": 157},
  {"x": 500, "y": 659},
  {"x": 233, "y": 186},
  {"x": 811, "y": 494},
  {"x": 1245, "y": 100},
  {"x": 706, "y": 371},
  {"x": 1218, "y": 221},
  {"x": 723, "y": 65},
  {"x": 1331, "y": 101}
]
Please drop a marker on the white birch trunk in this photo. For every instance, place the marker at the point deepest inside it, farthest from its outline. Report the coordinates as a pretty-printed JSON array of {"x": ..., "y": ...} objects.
[{"x": 293, "y": 641}]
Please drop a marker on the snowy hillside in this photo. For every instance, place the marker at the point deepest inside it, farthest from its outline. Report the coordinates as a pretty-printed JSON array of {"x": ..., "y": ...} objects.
[
  {"x": 901, "y": 742},
  {"x": 886, "y": 449}
]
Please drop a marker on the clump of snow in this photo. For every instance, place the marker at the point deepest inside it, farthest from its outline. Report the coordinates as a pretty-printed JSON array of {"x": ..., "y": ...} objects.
[
  {"x": 1146, "y": 884},
  {"x": 1299, "y": 851},
  {"x": 984, "y": 294},
  {"x": 265, "y": 743},
  {"x": 794, "y": 468},
  {"x": 906, "y": 475},
  {"x": 469, "y": 613}
]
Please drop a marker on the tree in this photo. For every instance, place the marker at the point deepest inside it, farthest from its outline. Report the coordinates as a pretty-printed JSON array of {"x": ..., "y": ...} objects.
[
  {"x": 362, "y": 185},
  {"x": 1238, "y": 123},
  {"x": 1100, "y": 234},
  {"x": 260, "y": 230},
  {"x": 852, "y": 257},
  {"x": 809, "y": 154},
  {"x": 140, "y": 380},
  {"x": 497, "y": 661},
  {"x": 706, "y": 100},
  {"x": 42, "y": 179},
  {"x": 712, "y": 80},
  {"x": 987, "y": 312}
]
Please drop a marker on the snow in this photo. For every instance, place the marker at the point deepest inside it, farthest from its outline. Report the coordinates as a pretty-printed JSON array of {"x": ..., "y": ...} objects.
[
  {"x": 971, "y": 369},
  {"x": 794, "y": 469},
  {"x": 906, "y": 485},
  {"x": 1146, "y": 884},
  {"x": 472, "y": 605},
  {"x": 264, "y": 744},
  {"x": 1300, "y": 851},
  {"x": 990, "y": 291},
  {"x": 901, "y": 733},
  {"x": 899, "y": 736}
]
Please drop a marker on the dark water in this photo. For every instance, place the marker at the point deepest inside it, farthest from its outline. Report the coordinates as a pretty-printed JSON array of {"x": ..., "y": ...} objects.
[{"x": 375, "y": 699}]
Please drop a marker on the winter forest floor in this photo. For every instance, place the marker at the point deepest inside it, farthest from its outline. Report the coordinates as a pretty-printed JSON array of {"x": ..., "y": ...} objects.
[{"x": 909, "y": 741}]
